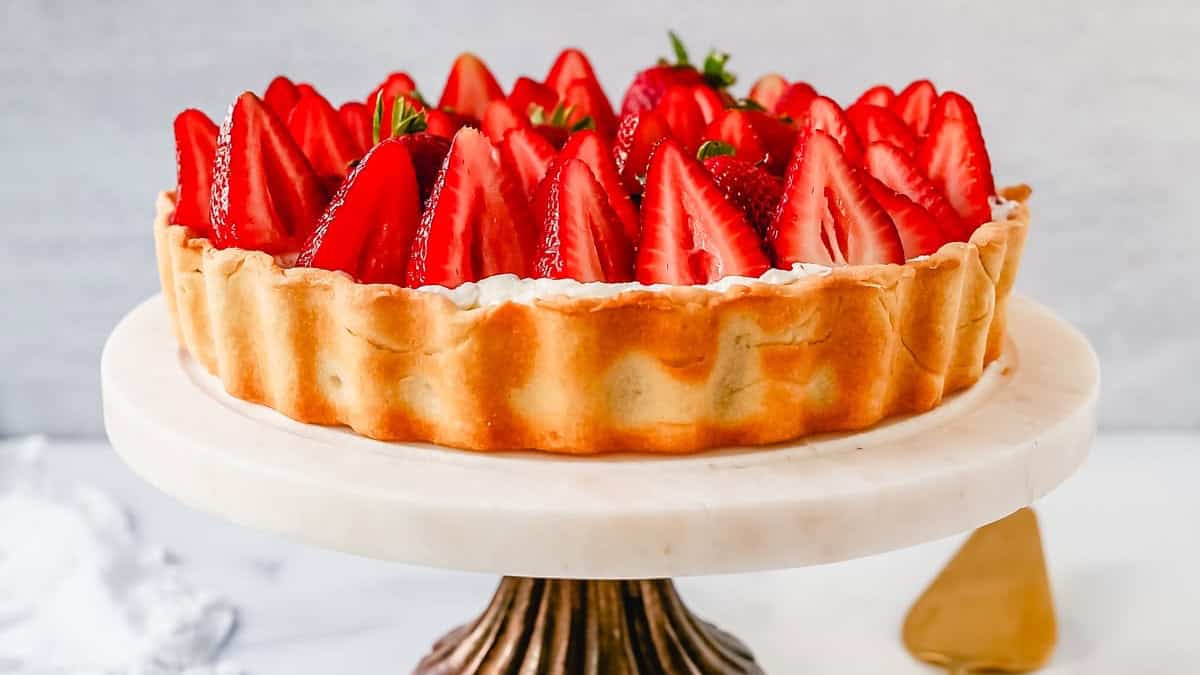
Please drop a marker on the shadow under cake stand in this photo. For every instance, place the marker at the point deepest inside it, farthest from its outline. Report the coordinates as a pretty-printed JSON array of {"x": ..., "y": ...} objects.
[{"x": 588, "y": 545}]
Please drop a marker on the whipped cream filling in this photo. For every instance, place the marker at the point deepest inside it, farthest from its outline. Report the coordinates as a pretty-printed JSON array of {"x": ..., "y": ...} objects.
[
  {"x": 502, "y": 288},
  {"x": 1001, "y": 208}
]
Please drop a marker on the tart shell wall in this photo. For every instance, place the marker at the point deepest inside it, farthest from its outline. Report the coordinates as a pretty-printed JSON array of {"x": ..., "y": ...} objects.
[{"x": 668, "y": 372}]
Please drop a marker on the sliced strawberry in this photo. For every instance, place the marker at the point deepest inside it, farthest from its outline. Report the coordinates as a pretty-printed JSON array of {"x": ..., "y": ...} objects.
[
  {"x": 710, "y": 101},
  {"x": 767, "y": 90},
  {"x": 469, "y": 87},
  {"x": 637, "y": 136},
  {"x": 954, "y": 158},
  {"x": 874, "y": 123},
  {"x": 527, "y": 92},
  {"x": 596, "y": 152},
  {"x": 265, "y": 196},
  {"x": 919, "y": 232},
  {"x": 794, "y": 100},
  {"x": 748, "y": 187},
  {"x": 880, "y": 95},
  {"x": 427, "y": 152},
  {"x": 281, "y": 96},
  {"x": 326, "y": 143},
  {"x": 356, "y": 117},
  {"x": 678, "y": 107},
  {"x": 443, "y": 123},
  {"x": 499, "y": 118},
  {"x": 736, "y": 128},
  {"x": 526, "y": 154},
  {"x": 827, "y": 214},
  {"x": 824, "y": 114},
  {"x": 368, "y": 227},
  {"x": 570, "y": 65},
  {"x": 586, "y": 99},
  {"x": 477, "y": 222},
  {"x": 690, "y": 233},
  {"x": 582, "y": 237},
  {"x": 397, "y": 84},
  {"x": 955, "y": 105},
  {"x": 195, "y": 146},
  {"x": 778, "y": 137},
  {"x": 651, "y": 84},
  {"x": 899, "y": 173},
  {"x": 914, "y": 105}
]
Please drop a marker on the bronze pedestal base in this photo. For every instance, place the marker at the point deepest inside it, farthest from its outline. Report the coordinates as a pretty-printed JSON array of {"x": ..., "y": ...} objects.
[{"x": 569, "y": 627}]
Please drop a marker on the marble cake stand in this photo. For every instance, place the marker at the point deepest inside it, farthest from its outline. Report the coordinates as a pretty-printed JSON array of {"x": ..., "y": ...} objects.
[{"x": 589, "y": 544}]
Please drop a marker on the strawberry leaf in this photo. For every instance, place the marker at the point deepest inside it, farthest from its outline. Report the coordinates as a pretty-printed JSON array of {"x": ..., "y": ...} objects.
[
  {"x": 377, "y": 118},
  {"x": 748, "y": 104},
  {"x": 714, "y": 149},
  {"x": 681, "y": 55},
  {"x": 406, "y": 119},
  {"x": 714, "y": 70}
]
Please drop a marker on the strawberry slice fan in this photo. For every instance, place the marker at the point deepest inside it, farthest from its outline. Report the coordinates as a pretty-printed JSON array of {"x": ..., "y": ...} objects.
[{"x": 532, "y": 268}]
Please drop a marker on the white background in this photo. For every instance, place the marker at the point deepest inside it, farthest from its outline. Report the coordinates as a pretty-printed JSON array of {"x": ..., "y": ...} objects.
[{"x": 1097, "y": 105}]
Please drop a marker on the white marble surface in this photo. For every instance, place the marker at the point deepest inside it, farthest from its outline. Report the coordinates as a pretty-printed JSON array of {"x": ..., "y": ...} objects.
[
  {"x": 1120, "y": 541},
  {"x": 1094, "y": 104},
  {"x": 1003, "y": 443}
]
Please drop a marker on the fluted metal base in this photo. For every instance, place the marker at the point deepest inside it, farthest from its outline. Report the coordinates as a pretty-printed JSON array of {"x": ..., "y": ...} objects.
[{"x": 567, "y": 627}]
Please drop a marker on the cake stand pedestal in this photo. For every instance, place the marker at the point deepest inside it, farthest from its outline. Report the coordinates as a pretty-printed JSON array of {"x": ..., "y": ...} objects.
[{"x": 589, "y": 544}]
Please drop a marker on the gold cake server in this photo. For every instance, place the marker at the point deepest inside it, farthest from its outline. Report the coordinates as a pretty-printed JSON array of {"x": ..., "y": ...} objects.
[{"x": 990, "y": 609}]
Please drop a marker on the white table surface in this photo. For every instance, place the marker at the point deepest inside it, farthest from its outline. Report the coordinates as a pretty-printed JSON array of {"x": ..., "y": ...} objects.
[{"x": 1122, "y": 539}]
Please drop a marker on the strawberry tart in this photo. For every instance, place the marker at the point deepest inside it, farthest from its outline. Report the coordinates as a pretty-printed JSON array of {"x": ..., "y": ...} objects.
[{"x": 534, "y": 269}]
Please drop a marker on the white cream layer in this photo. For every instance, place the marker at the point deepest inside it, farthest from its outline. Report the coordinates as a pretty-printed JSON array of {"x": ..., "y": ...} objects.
[
  {"x": 504, "y": 288},
  {"x": 1001, "y": 208}
]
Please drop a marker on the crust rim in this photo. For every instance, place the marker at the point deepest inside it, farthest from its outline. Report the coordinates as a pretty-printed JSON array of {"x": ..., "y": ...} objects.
[{"x": 672, "y": 371}]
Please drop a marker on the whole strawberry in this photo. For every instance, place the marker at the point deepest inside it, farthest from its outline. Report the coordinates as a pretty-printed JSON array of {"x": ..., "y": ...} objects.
[
  {"x": 744, "y": 184},
  {"x": 649, "y": 85}
]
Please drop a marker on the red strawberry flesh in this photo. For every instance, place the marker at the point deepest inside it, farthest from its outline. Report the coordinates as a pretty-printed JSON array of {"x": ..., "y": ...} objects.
[
  {"x": 195, "y": 148},
  {"x": 875, "y": 123},
  {"x": 880, "y": 95},
  {"x": 767, "y": 90},
  {"x": 690, "y": 233},
  {"x": 826, "y": 115},
  {"x": 919, "y": 232},
  {"x": 265, "y": 196},
  {"x": 476, "y": 223},
  {"x": 318, "y": 130},
  {"x": 827, "y": 214},
  {"x": 899, "y": 172},
  {"x": 582, "y": 237},
  {"x": 637, "y": 137},
  {"x": 526, "y": 155},
  {"x": 914, "y": 105},
  {"x": 356, "y": 117},
  {"x": 369, "y": 225},
  {"x": 280, "y": 96},
  {"x": 469, "y": 87},
  {"x": 596, "y": 153},
  {"x": 736, "y": 128}
]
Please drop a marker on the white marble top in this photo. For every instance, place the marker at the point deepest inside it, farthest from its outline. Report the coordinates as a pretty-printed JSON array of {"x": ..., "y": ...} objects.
[
  {"x": 982, "y": 454},
  {"x": 1120, "y": 541}
]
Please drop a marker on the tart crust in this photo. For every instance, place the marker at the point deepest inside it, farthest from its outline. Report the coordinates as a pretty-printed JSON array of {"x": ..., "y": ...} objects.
[{"x": 669, "y": 372}]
